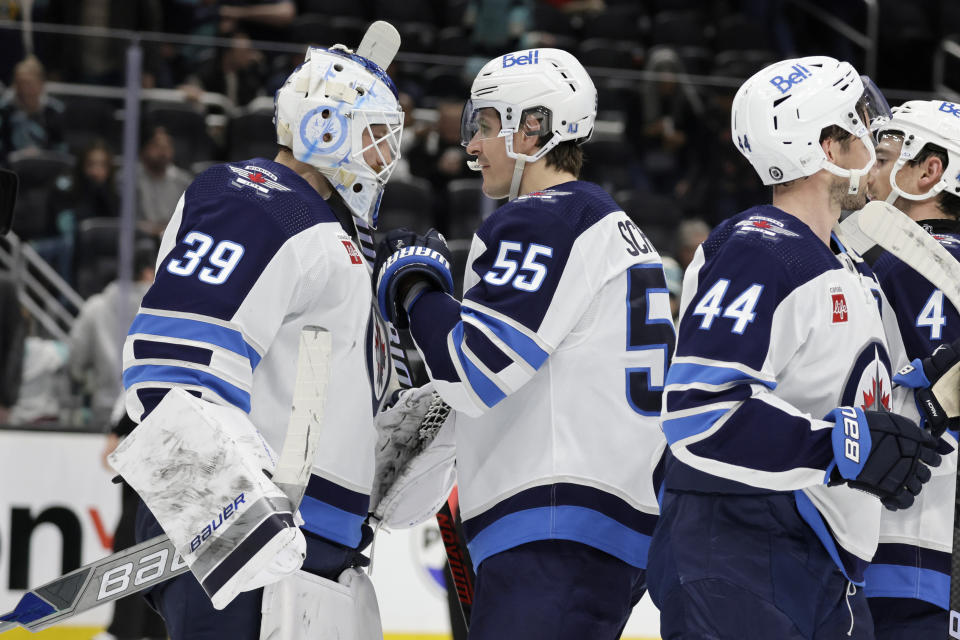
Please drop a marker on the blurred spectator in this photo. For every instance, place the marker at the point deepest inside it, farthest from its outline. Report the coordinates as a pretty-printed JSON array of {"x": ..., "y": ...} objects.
[
  {"x": 29, "y": 118},
  {"x": 262, "y": 19},
  {"x": 670, "y": 107},
  {"x": 96, "y": 340},
  {"x": 11, "y": 346},
  {"x": 159, "y": 182},
  {"x": 238, "y": 73},
  {"x": 97, "y": 60},
  {"x": 43, "y": 384},
  {"x": 690, "y": 235},
  {"x": 496, "y": 25},
  {"x": 91, "y": 192}
]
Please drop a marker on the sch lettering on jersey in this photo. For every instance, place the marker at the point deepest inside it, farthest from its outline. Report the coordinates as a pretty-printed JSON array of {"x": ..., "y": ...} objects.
[
  {"x": 767, "y": 227},
  {"x": 257, "y": 178},
  {"x": 531, "y": 57},
  {"x": 784, "y": 84},
  {"x": 224, "y": 514}
]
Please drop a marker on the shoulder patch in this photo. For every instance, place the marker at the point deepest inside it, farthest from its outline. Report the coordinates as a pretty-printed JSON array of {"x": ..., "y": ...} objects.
[
  {"x": 950, "y": 242},
  {"x": 766, "y": 227},
  {"x": 352, "y": 251},
  {"x": 548, "y": 195},
  {"x": 263, "y": 182}
]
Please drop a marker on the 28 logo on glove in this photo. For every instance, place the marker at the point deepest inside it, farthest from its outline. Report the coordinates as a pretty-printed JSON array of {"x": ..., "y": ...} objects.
[{"x": 851, "y": 429}]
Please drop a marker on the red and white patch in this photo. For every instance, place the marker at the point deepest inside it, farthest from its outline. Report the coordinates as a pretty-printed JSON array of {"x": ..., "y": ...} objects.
[
  {"x": 256, "y": 178},
  {"x": 353, "y": 252},
  {"x": 840, "y": 312}
]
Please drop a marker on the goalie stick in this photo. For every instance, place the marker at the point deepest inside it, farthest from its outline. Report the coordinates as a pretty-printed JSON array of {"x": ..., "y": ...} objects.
[
  {"x": 893, "y": 230},
  {"x": 157, "y": 560}
]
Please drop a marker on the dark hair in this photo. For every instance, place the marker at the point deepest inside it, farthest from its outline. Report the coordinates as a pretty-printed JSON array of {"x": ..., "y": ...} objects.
[
  {"x": 144, "y": 256},
  {"x": 566, "y": 156}
]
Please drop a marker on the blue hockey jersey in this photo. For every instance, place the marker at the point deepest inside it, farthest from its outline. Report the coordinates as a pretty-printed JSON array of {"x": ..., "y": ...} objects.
[
  {"x": 555, "y": 363},
  {"x": 913, "y": 557},
  {"x": 251, "y": 255},
  {"x": 776, "y": 330}
]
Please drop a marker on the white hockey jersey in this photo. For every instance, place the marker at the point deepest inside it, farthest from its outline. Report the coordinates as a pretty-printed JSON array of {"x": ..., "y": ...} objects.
[
  {"x": 913, "y": 557},
  {"x": 252, "y": 255},
  {"x": 555, "y": 362},
  {"x": 776, "y": 331}
]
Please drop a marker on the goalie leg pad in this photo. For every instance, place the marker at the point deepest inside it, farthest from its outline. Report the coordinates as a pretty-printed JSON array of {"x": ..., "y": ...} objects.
[
  {"x": 199, "y": 467},
  {"x": 308, "y": 607}
]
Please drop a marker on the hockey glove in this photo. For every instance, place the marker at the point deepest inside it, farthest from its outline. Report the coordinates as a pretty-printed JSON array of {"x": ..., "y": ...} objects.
[
  {"x": 409, "y": 264},
  {"x": 936, "y": 381},
  {"x": 881, "y": 453}
]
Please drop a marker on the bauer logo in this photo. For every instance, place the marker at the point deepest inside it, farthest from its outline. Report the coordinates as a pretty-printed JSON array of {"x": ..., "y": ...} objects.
[
  {"x": 530, "y": 57},
  {"x": 840, "y": 313},
  {"x": 224, "y": 514},
  {"x": 785, "y": 83}
]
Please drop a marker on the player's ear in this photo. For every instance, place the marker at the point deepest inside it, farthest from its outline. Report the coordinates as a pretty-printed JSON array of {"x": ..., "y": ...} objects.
[{"x": 932, "y": 171}]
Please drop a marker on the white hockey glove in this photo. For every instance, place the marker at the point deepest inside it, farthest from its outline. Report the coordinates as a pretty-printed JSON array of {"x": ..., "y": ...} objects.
[
  {"x": 200, "y": 468},
  {"x": 414, "y": 459}
]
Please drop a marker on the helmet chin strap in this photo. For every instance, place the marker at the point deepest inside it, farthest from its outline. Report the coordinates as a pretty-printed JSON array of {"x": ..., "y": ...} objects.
[{"x": 518, "y": 166}]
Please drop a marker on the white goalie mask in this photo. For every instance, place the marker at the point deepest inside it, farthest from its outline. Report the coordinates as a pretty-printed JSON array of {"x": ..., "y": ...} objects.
[
  {"x": 547, "y": 91},
  {"x": 922, "y": 122},
  {"x": 779, "y": 113},
  {"x": 323, "y": 111}
]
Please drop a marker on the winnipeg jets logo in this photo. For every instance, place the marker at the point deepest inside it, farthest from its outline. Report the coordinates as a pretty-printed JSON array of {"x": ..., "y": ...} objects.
[
  {"x": 868, "y": 385},
  {"x": 256, "y": 178},
  {"x": 767, "y": 227}
]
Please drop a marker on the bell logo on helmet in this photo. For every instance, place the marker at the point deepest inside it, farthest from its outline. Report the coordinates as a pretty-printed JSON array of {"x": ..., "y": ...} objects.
[
  {"x": 800, "y": 73},
  {"x": 949, "y": 107},
  {"x": 531, "y": 57}
]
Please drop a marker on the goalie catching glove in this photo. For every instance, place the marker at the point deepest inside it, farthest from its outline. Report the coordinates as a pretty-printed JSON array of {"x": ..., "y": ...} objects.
[
  {"x": 408, "y": 265},
  {"x": 414, "y": 459},
  {"x": 881, "y": 453},
  {"x": 936, "y": 383}
]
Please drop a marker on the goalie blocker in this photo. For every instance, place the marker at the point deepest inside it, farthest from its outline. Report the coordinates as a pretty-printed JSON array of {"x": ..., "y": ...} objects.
[{"x": 201, "y": 470}]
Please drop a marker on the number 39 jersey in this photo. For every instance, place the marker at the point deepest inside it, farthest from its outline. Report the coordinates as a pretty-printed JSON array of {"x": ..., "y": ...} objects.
[
  {"x": 251, "y": 256},
  {"x": 776, "y": 331},
  {"x": 555, "y": 362}
]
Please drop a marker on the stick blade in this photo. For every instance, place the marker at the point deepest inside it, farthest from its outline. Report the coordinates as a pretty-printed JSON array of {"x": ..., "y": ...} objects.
[{"x": 380, "y": 44}]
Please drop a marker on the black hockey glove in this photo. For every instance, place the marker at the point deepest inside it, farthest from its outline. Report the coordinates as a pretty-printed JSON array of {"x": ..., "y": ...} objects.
[
  {"x": 936, "y": 383},
  {"x": 409, "y": 264},
  {"x": 881, "y": 453}
]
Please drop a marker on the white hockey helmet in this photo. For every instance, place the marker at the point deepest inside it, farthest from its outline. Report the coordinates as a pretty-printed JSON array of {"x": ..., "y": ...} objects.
[
  {"x": 548, "y": 84},
  {"x": 922, "y": 122},
  {"x": 779, "y": 113},
  {"x": 322, "y": 111}
]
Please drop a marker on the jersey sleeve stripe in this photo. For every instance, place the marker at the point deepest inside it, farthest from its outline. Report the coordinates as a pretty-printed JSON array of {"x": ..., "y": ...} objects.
[
  {"x": 330, "y": 522},
  {"x": 183, "y": 375},
  {"x": 679, "y": 429},
  {"x": 190, "y": 329},
  {"x": 488, "y": 392},
  {"x": 337, "y": 495},
  {"x": 688, "y": 373},
  {"x": 156, "y": 350},
  {"x": 520, "y": 343}
]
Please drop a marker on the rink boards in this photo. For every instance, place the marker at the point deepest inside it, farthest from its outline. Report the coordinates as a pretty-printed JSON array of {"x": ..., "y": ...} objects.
[{"x": 58, "y": 509}]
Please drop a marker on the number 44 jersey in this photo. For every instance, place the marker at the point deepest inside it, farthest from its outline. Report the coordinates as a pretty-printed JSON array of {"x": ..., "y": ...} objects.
[
  {"x": 776, "y": 330},
  {"x": 555, "y": 362},
  {"x": 251, "y": 256}
]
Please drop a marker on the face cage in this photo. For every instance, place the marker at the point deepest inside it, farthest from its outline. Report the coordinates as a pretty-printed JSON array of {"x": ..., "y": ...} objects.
[
  {"x": 868, "y": 114},
  {"x": 367, "y": 119}
]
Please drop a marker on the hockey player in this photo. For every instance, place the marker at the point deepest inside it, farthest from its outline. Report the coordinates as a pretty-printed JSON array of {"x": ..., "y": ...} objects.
[
  {"x": 554, "y": 361},
  {"x": 255, "y": 251},
  {"x": 762, "y": 533},
  {"x": 918, "y": 157}
]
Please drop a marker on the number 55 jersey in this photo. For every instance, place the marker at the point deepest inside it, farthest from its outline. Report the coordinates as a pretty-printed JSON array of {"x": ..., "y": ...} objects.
[
  {"x": 776, "y": 331},
  {"x": 555, "y": 362}
]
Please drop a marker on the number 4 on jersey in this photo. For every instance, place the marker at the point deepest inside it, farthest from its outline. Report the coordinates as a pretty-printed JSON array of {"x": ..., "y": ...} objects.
[{"x": 741, "y": 310}]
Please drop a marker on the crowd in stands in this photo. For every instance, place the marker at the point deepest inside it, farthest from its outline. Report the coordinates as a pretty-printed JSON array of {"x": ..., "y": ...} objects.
[{"x": 664, "y": 148}]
